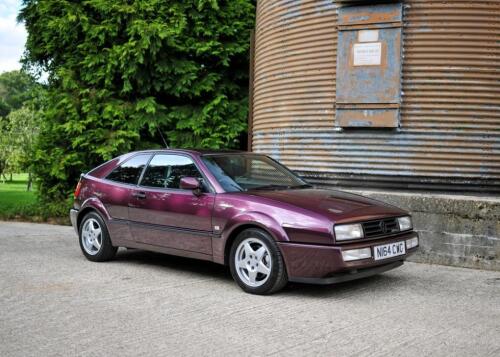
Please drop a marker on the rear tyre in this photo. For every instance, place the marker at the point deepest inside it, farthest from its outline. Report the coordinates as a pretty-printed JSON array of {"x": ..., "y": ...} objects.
[
  {"x": 256, "y": 263},
  {"x": 94, "y": 239}
]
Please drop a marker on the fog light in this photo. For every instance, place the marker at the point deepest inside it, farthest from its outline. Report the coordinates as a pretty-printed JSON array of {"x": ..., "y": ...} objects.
[
  {"x": 412, "y": 243},
  {"x": 356, "y": 254}
]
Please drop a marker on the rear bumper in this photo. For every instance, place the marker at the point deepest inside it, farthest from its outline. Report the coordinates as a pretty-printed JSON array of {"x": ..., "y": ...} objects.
[
  {"x": 319, "y": 264},
  {"x": 73, "y": 216}
]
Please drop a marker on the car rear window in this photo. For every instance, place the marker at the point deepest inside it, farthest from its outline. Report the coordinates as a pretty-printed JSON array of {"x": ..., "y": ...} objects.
[{"x": 130, "y": 171}]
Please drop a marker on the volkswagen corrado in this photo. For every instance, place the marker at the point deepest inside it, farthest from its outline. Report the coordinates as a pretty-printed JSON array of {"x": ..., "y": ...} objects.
[{"x": 240, "y": 209}]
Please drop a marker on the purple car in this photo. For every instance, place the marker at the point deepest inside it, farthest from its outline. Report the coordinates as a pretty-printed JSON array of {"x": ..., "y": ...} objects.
[{"x": 239, "y": 209}]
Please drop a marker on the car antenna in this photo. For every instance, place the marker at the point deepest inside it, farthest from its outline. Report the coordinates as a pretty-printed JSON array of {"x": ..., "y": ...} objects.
[{"x": 162, "y": 138}]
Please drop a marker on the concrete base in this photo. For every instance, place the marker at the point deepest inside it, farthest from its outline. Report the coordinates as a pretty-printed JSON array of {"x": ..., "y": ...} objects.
[{"x": 454, "y": 230}]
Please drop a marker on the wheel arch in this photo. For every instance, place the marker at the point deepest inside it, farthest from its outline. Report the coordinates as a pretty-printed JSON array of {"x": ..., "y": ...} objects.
[
  {"x": 82, "y": 214},
  {"x": 92, "y": 205},
  {"x": 242, "y": 227}
]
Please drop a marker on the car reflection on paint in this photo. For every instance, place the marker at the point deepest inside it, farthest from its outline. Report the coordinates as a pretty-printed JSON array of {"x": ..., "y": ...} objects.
[{"x": 239, "y": 209}]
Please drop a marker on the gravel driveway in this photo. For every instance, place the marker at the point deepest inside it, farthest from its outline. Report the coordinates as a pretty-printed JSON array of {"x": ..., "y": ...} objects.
[{"x": 55, "y": 302}]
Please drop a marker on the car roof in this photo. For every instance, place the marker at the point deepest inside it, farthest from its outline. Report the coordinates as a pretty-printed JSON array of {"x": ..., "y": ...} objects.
[{"x": 195, "y": 151}]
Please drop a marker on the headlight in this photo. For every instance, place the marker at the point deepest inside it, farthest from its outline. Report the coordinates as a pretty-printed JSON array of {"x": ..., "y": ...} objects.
[
  {"x": 405, "y": 223},
  {"x": 348, "y": 231}
]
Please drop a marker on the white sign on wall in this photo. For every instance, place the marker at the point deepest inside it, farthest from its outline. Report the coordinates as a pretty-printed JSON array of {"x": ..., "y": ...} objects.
[{"x": 367, "y": 54}]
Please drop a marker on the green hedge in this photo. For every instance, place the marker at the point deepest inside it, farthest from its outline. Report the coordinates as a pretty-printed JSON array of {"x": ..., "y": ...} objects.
[{"x": 121, "y": 72}]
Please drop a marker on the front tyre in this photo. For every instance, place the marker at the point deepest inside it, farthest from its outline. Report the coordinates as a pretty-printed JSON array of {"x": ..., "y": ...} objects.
[
  {"x": 94, "y": 239},
  {"x": 256, "y": 263}
]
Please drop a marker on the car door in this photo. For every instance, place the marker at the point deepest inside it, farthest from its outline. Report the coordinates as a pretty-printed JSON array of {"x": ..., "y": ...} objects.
[
  {"x": 163, "y": 214},
  {"x": 114, "y": 192}
]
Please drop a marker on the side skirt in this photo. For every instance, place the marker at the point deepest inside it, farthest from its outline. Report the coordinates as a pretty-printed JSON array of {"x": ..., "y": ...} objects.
[{"x": 164, "y": 250}]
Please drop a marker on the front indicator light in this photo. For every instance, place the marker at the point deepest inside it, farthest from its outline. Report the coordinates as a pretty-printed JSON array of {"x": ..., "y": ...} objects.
[
  {"x": 348, "y": 231},
  {"x": 412, "y": 243},
  {"x": 356, "y": 254}
]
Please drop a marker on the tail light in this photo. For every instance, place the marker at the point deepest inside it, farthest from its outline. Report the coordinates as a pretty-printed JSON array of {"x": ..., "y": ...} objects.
[{"x": 78, "y": 188}]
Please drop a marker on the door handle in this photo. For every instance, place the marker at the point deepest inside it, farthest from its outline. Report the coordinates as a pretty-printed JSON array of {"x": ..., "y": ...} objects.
[{"x": 140, "y": 195}]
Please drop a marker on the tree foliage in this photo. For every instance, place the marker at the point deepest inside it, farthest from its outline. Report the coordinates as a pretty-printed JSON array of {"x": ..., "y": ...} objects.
[
  {"x": 23, "y": 127},
  {"x": 16, "y": 88},
  {"x": 4, "y": 146},
  {"x": 120, "y": 71},
  {"x": 21, "y": 100}
]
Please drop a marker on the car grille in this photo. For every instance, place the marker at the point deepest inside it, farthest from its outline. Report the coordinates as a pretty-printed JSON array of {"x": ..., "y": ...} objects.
[{"x": 380, "y": 227}]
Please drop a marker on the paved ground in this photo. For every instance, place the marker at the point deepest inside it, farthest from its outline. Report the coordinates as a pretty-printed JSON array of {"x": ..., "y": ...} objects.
[{"x": 54, "y": 302}]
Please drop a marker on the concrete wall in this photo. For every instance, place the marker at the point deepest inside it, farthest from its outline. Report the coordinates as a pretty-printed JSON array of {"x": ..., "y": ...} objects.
[{"x": 454, "y": 230}]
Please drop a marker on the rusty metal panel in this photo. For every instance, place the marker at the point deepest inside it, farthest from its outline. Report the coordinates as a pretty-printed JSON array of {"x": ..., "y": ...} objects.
[
  {"x": 451, "y": 76},
  {"x": 367, "y": 115},
  {"x": 449, "y": 134},
  {"x": 294, "y": 82},
  {"x": 367, "y": 15},
  {"x": 365, "y": 83},
  {"x": 250, "y": 91},
  {"x": 369, "y": 66}
]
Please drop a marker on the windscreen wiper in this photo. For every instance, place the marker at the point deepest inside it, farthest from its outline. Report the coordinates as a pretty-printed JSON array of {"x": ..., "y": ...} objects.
[
  {"x": 278, "y": 187},
  {"x": 271, "y": 187},
  {"x": 305, "y": 185}
]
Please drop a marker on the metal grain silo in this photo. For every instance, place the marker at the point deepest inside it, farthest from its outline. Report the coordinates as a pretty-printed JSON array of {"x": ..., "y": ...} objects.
[{"x": 380, "y": 94}]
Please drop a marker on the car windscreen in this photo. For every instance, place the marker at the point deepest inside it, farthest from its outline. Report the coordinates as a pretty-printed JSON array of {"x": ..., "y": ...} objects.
[{"x": 250, "y": 172}]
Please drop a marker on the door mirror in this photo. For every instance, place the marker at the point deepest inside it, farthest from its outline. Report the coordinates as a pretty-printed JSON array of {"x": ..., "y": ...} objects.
[{"x": 190, "y": 183}]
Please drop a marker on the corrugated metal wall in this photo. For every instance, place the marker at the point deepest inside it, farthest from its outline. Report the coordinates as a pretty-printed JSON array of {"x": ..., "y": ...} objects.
[{"x": 449, "y": 135}]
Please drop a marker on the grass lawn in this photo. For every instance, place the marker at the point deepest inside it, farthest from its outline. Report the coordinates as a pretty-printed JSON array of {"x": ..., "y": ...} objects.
[
  {"x": 18, "y": 204},
  {"x": 14, "y": 194}
]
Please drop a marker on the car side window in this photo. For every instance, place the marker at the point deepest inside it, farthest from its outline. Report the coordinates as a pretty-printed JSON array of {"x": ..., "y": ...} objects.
[
  {"x": 130, "y": 171},
  {"x": 166, "y": 171}
]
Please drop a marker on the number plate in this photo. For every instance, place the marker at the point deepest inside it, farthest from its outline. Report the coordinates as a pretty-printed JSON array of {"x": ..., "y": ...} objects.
[{"x": 389, "y": 250}]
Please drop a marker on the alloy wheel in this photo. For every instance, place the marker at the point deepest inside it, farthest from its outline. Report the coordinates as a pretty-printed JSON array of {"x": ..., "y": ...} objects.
[
  {"x": 253, "y": 262},
  {"x": 91, "y": 236}
]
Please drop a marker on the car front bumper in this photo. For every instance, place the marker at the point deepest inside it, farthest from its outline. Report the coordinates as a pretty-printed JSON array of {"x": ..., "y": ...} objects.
[
  {"x": 318, "y": 264},
  {"x": 73, "y": 216}
]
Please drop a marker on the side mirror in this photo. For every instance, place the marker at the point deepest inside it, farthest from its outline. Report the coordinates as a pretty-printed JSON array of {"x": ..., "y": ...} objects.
[{"x": 191, "y": 183}]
